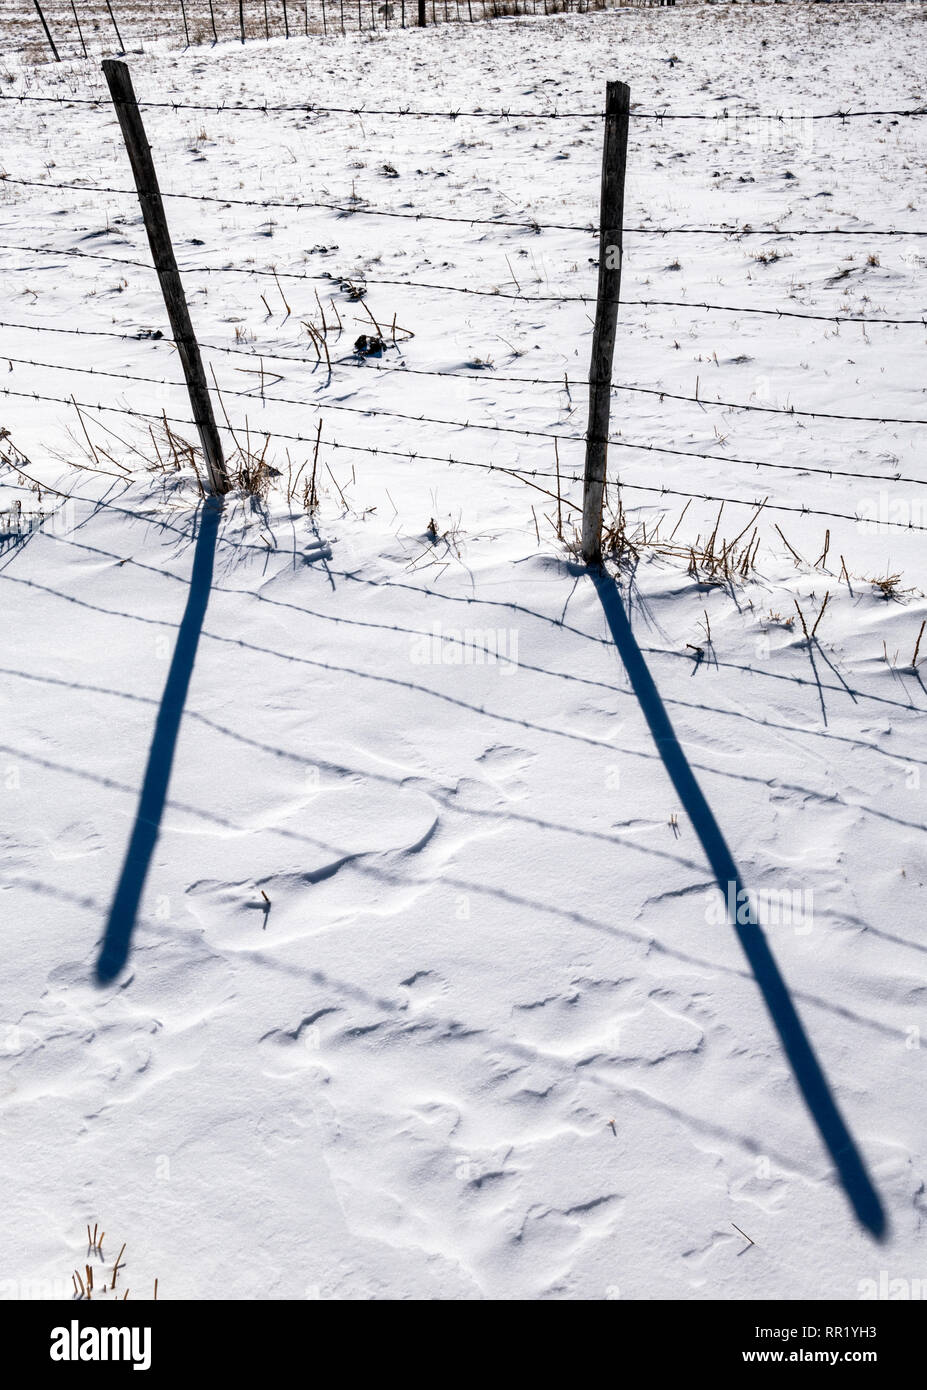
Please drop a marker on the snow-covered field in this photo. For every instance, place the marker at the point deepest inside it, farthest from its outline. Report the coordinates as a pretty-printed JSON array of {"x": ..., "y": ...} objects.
[
  {"x": 100, "y": 27},
  {"x": 430, "y": 991}
]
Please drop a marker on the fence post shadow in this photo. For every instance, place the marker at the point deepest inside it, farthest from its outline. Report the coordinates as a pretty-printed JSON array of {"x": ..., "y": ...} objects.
[
  {"x": 123, "y": 912},
  {"x": 807, "y": 1070}
]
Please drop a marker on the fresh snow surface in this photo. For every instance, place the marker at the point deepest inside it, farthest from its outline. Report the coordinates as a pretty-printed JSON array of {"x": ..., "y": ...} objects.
[{"x": 431, "y": 991}]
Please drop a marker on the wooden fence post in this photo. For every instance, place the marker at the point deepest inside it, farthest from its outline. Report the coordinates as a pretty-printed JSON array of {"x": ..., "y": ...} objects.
[
  {"x": 159, "y": 239},
  {"x": 212, "y": 18},
  {"x": 286, "y": 22},
  {"x": 611, "y": 218},
  {"x": 186, "y": 31},
  {"x": 241, "y": 18},
  {"x": 116, "y": 27},
  {"x": 51, "y": 41},
  {"x": 80, "y": 32},
  {"x": 421, "y": 14}
]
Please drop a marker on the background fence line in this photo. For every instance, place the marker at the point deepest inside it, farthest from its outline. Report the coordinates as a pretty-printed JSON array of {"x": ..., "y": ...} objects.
[{"x": 81, "y": 28}]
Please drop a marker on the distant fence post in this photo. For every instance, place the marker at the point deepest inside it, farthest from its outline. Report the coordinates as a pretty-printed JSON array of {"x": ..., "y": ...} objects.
[
  {"x": 186, "y": 31},
  {"x": 212, "y": 20},
  {"x": 286, "y": 20},
  {"x": 159, "y": 239},
  {"x": 241, "y": 18},
  {"x": 51, "y": 41},
  {"x": 611, "y": 218},
  {"x": 421, "y": 14},
  {"x": 80, "y": 32},
  {"x": 122, "y": 48}
]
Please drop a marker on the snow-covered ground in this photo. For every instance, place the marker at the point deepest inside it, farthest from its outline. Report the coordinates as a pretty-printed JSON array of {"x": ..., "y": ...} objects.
[
  {"x": 107, "y": 25},
  {"x": 430, "y": 991}
]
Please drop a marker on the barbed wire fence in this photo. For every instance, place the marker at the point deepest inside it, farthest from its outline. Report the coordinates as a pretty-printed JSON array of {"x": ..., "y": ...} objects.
[
  {"x": 63, "y": 30},
  {"x": 549, "y": 482}
]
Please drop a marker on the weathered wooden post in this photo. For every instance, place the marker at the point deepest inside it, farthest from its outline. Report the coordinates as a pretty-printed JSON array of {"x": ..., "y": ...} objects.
[
  {"x": 212, "y": 20},
  {"x": 421, "y": 14},
  {"x": 611, "y": 218},
  {"x": 159, "y": 239},
  {"x": 241, "y": 18},
  {"x": 186, "y": 31},
  {"x": 116, "y": 27},
  {"x": 80, "y": 32},
  {"x": 51, "y": 41}
]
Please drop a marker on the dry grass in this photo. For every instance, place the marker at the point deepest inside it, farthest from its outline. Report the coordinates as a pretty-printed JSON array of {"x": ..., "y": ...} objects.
[
  {"x": 94, "y": 1279},
  {"x": 161, "y": 451},
  {"x": 889, "y": 587},
  {"x": 711, "y": 560}
]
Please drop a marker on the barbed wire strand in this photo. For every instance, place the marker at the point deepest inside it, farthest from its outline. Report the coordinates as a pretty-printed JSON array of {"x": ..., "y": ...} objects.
[
  {"x": 613, "y": 441},
  {"x": 518, "y": 473},
  {"x": 310, "y": 108},
  {"x": 359, "y": 362},
  {"x": 532, "y": 225},
  {"x": 341, "y": 281}
]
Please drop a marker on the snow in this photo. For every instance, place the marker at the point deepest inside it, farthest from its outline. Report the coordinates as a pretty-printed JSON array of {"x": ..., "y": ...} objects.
[{"x": 431, "y": 993}]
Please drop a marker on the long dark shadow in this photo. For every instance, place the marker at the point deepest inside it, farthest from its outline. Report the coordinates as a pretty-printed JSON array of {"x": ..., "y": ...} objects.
[
  {"x": 811, "y": 1080},
  {"x": 120, "y": 924}
]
